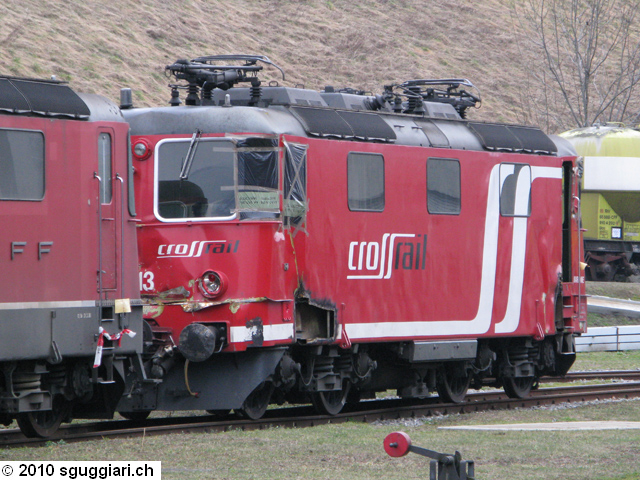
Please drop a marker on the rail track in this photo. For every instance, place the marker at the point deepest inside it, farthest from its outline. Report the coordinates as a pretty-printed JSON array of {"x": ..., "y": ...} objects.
[
  {"x": 629, "y": 375},
  {"x": 624, "y": 384}
]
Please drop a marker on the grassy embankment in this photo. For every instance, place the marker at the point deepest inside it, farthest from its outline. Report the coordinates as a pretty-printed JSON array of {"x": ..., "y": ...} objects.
[{"x": 625, "y": 291}]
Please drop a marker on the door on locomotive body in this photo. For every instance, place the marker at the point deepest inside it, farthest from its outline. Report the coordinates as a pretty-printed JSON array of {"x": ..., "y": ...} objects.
[
  {"x": 572, "y": 251},
  {"x": 572, "y": 243},
  {"x": 22, "y": 195},
  {"x": 110, "y": 215},
  {"x": 309, "y": 322},
  {"x": 294, "y": 180}
]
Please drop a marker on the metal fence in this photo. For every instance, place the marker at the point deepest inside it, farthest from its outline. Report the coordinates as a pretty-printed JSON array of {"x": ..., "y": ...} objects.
[{"x": 609, "y": 339}]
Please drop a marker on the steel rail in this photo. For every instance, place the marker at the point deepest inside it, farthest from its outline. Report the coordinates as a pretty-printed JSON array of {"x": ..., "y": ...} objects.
[
  {"x": 595, "y": 375},
  {"x": 297, "y": 417}
]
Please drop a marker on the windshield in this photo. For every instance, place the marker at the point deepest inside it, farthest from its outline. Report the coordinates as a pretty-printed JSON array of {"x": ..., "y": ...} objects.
[{"x": 217, "y": 179}]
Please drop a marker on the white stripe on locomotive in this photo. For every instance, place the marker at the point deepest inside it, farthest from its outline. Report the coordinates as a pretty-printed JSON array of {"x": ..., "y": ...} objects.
[{"x": 481, "y": 323}]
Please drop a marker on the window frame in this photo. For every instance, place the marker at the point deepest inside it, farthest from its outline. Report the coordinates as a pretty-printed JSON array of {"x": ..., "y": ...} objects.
[
  {"x": 431, "y": 208},
  {"x": 131, "y": 196},
  {"x": 354, "y": 208},
  {"x": 106, "y": 174},
  {"x": 502, "y": 182},
  {"x": 44, "y": 165},
  {"x": 156, "y": 180},
  {"x": 294, "y": 210},
  {"x": 240, "y": 212}
]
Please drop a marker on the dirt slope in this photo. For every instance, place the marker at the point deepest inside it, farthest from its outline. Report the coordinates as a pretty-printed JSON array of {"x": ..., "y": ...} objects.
[{"x": 100, "y": 46}]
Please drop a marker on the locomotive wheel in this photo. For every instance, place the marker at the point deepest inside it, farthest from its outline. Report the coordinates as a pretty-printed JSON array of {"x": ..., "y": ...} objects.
[
  {"x": 518, "y": 387},
  {"x": 332, "y": 402},
  {"x": 138, "y": 416},
  {"x": 453, "y": 382},
  {"x": 255, "y": 405},
  {"x": 44, "y": 424}
]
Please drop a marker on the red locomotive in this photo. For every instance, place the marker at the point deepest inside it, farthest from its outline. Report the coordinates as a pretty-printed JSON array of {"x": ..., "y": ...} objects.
[
  {"x": 293, "y": 245},
  {"x": 300, "y": 246},
  {"x": 69, "y": 276}
]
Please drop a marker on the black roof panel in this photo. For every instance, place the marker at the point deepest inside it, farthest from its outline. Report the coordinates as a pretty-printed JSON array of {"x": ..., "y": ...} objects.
[
  {"x": 324, "y": 122},
  {"x": 511, "y": 138},
  {"x": 49, "y": 98}
]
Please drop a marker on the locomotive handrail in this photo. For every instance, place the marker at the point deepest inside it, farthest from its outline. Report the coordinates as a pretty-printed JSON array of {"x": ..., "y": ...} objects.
[
  {"x": 580, "y": 253},
  {"x": 118, "y": 177},
  {"x": 100, "y": 290}
]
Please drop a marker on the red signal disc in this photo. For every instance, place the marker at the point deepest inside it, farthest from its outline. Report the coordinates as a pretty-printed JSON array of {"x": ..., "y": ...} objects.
[{"x": 397, "y": 444}]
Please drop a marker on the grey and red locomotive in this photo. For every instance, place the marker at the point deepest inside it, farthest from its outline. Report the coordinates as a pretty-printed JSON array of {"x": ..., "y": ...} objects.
[
  {"x": 305, "y": 246},
  {"x": 69, "y": 268}
]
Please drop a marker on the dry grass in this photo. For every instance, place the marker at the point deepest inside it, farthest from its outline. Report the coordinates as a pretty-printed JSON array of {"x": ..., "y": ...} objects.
[
  {"x": 353, "y": 451},
  {"x": 625, "y": 291},
  {"x": 625, "y": 360},
  {"x": 102, "y": 46}
]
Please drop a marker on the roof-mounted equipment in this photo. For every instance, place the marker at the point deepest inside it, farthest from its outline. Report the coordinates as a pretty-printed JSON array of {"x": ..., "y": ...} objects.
[
  {"x": 204, "y": 74},
  {"x": 446, "y": 90}
]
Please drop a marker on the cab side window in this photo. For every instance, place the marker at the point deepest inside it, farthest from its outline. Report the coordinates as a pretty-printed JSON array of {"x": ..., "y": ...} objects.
[
  {"x": 515, "y": 190},
  {"x": 21, "y": 165},
  {"x": 443, "y": 186},
  {"x": 365, "y": 177}
]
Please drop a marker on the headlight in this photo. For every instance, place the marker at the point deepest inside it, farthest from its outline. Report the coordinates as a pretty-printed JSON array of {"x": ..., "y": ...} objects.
[
  {"x": 212, "y": 284},
  {"x": 141, "y": 150}
]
